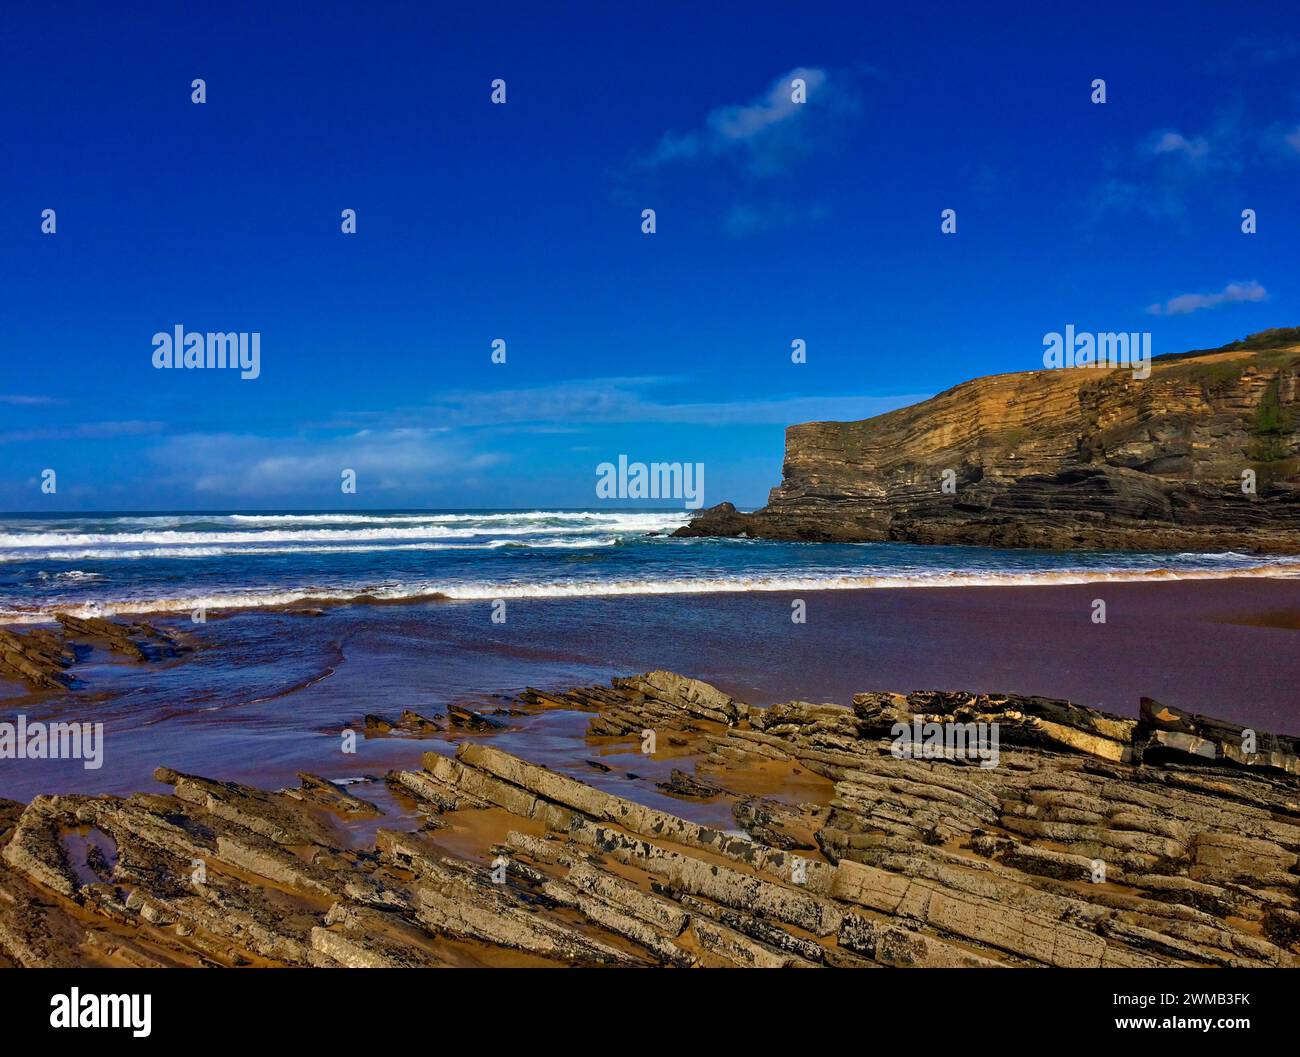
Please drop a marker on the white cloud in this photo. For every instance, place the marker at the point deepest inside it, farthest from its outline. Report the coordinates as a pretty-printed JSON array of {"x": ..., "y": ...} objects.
[
  {"x": 248, "y": 466},
  {"x": 18, "y": 400},
  {"x": 1176, "y": 143},
  {"x": 1232, "y": 293},
  {"x": 766, "y": 135},
  {"x": 742, "y": 123}
]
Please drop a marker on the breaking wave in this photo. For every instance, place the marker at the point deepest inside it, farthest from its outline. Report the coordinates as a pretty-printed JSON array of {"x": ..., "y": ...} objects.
[
  {"x": 127, "y": 539},
  {"x": 271, "y": 599},
  {"x": 159, "y": 563}
]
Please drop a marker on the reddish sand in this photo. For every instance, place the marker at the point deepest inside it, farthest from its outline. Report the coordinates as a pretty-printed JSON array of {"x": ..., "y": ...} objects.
[{"x": 269, "y": 692}]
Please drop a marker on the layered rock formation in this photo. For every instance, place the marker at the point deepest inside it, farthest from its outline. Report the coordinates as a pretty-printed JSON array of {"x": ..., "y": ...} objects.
[
  {"x": 41, "y": 658},
  {"x": 1073, "y": 458},
  {"x": 1092, "y": 842}
]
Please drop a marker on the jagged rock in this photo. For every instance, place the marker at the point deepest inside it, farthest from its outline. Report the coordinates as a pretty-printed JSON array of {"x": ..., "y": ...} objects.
[
  {"x": 464, "y": 718},
  {"x": 432, "y": 792},
  {"x": 361, "y": 937},
  {"x": 682, "y": 784},
  {"x": 408, "y": 723},
  {"x": 453, "y": 898},
  {"x": 616, "y": 920},
  {"x": 772, "y": 823},
  {"x": 139, "y": 641},
  {"x": 277, "y": 818},
  {"x": 36, "y": 657},
  {"x": 414, "y": 723},
  {"x": 326, "y": 793},
  {"x": 690, "y": 695},
  {"x": 40, "y": 657},
  {"x": 739, "y": 949},
  {"x": 901, "y": 947},
  {"x": 1020, "y": 719},
  {"x": 1178, "y": 732},
  {"x": 772, "y": 939},
  {"x": 1053, "y": 857}
]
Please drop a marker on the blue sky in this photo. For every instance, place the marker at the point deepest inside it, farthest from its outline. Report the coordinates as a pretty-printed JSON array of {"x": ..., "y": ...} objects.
[{"x": 523, "y": 222}]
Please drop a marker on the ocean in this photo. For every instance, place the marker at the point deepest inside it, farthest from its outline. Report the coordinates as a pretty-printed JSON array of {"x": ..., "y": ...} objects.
[{"x": 158, "y": 563}]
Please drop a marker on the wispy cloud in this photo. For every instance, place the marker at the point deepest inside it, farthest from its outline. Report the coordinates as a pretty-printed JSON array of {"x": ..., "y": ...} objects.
[
  {"x": 1166, "y": 167},
  {"x": 1172, "y": 142},
  {"x": 1256, "y": 50},
  {"x": 1184, "y": 304},
  {"x": 253, "y": 467},
  {"x": 19, "y": 400},
  {"x": 566, "y": 406},
  {"x": 769, "y": 134},
  {"x": 88, "y": 431}
]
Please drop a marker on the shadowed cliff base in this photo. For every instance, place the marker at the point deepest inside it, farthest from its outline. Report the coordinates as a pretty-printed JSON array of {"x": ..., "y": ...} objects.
[
  {"x": 1090, "y": 841},
  {"x": 1202, "y": 455}
]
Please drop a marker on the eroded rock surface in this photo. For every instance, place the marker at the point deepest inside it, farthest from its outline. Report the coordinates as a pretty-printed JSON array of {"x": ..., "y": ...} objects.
[
  {"x": 1062, "y": 459},
  {"x": 38, "y": 658},
  {"x": 41, "y": 658},
  {"x": 1082, "y": 846}
]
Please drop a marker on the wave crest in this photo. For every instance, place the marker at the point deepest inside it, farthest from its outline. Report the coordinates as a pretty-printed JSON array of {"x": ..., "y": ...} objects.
[{"x": 596, "y": 589}]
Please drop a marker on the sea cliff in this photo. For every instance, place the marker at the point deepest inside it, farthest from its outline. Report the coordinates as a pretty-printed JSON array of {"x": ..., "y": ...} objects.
[{"x": 1204, "y": 454}]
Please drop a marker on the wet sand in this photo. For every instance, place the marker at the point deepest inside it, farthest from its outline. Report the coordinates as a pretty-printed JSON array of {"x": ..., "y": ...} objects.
[{"x": 268, "y": 693}]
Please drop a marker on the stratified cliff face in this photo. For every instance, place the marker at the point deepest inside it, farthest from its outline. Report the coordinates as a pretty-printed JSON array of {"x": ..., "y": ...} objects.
[{"x": 1075, "y": 458}]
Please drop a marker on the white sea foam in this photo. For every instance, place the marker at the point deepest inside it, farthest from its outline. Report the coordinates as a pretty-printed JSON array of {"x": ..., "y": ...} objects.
[
  {"x": 512, "y": 517},
  {"x": 603, "y": 588},
  {"x": 139, "y": 553},
  {"x": 656, "y": 564},
  {"x": 71, "y": 575},
  {"x": 37, "y": 545}
]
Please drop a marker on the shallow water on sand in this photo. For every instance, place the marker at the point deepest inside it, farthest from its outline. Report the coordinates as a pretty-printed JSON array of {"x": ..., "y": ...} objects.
[{"x": 267, "y": 692}]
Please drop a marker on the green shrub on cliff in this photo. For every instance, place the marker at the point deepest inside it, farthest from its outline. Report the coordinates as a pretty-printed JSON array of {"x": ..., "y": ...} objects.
[{"x": 1270, "y": 446}]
